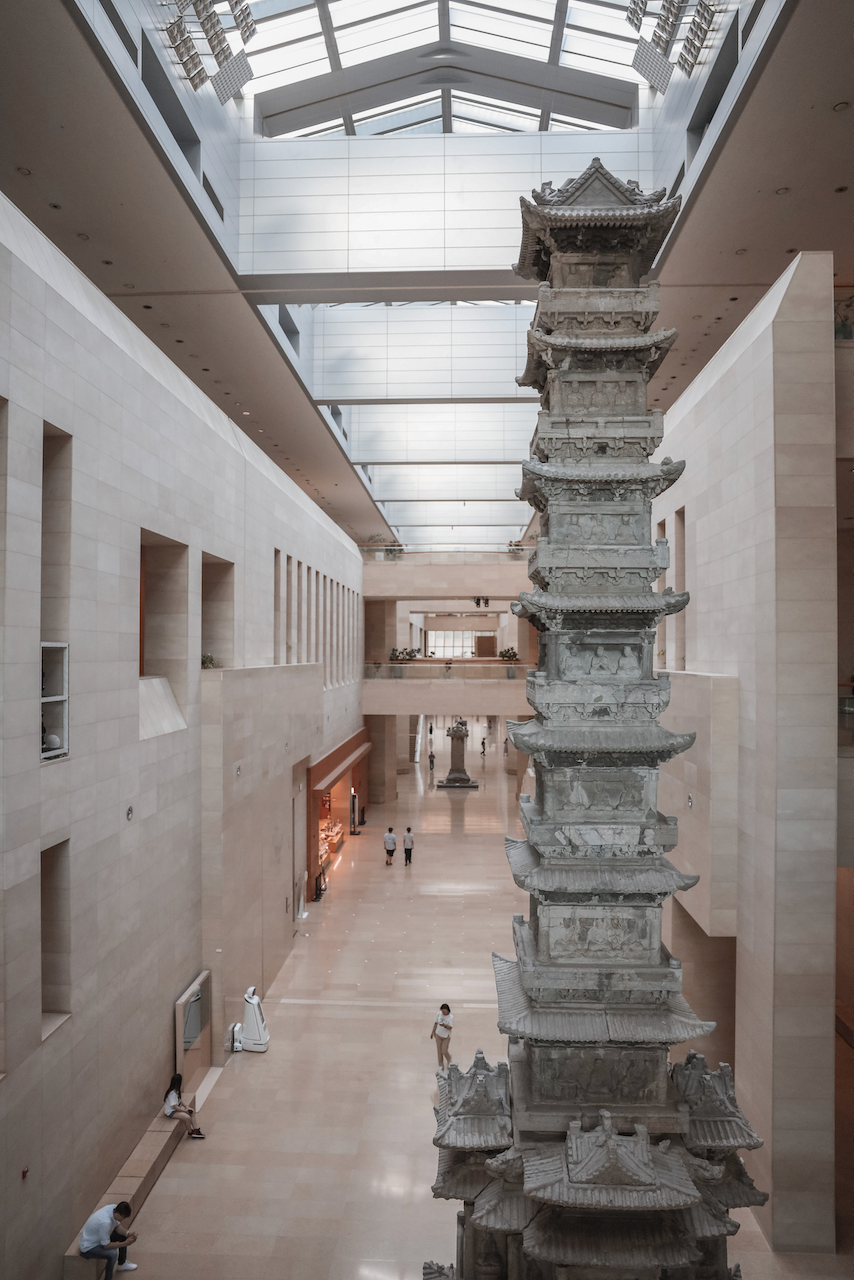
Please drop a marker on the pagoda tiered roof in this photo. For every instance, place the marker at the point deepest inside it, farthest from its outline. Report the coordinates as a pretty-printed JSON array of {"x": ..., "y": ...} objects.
[
  {"x": 550, "y": 610},
  {"x": 576, "y": 742},
  {"x": 547, "y": 350},
  {"x": 593, "y": 877},
  {"x": 671, "y": 1021},
  {"x": 602, "y": 1169},
  {"x": 716, "y": 1121},
  {"x": 474, "y": 1107},
  {"x": 652, "y": 477}
]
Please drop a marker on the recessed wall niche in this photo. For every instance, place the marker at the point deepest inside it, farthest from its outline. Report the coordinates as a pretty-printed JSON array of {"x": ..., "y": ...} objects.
[
  {"x": 163, "y": 609},
  {"x": 218, "y": 609}
]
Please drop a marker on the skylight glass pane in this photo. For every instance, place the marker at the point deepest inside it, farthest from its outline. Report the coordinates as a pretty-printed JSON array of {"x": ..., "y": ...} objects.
[
  {"x": 385, "y": 35},
  {"x": 293, "y": 26},
  {"x": 292, "y": 62},
  {"x": 596, "y": 18},
  {"x": 399, "y": 117},
  {"x": 487, "y": 111},
  {"x": 504, "y": 32}
]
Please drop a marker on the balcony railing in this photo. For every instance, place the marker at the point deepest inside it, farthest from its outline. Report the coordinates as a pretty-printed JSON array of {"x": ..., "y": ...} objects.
[{"x": 452, "y": 669}]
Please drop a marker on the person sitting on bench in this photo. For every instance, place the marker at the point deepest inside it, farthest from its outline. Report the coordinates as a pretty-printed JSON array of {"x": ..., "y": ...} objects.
[
  {"x": 104, "y": 1235},
  {"x": 178, "y": 1110}
]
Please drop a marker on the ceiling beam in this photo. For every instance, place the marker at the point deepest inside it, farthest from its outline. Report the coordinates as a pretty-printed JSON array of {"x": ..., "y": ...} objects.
[
  {"x": 558, "y": 29},
  {"x": 602, "y": 100}
]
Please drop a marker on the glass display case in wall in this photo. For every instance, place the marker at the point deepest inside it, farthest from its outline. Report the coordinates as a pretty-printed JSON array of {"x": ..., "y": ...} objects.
[{"x": 54, "y": 700}]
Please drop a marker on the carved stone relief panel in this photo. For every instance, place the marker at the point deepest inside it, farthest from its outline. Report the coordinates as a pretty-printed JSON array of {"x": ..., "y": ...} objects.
[
  {"x": 619, "y": 1074},
  {"x": 585, "y": 793},
  {"x": 590, "y": 933}
]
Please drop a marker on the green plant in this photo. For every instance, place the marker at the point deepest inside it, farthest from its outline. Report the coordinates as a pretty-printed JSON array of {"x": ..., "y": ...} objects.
[
  {"x": 509, "y": 655},
  {"x": 208, "y": 662},
  {"x": 403, "y": 655}
]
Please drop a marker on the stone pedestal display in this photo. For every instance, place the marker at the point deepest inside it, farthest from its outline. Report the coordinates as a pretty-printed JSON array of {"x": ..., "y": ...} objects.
[
  {"x": 457, "y": 776},
  {"x": 619, "y": 1165}
]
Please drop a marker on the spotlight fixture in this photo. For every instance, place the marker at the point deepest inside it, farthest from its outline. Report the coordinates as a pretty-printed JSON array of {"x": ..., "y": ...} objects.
[
  {"x": 146, "y": 306},
  {"x": 234, "y": 69},
  {"x": 24, "y": 172},
  {"x": 54, "y": 206},
  {"x": 636, "y": 13},
  {"x": 106, "y": 262},
  {"x": 841, "y": 106},
  {"x": 692, "y": 45},
  {"x": 181, "y": 39},
  {"x": 666, "y": 23},
  {"x": 81, "y": 235},
  {"x": 733, "y": 299},
  {"x": 839, "y": 190},
  {"x": 739, "y": 252},
  {"x": 781, "y": 191}
]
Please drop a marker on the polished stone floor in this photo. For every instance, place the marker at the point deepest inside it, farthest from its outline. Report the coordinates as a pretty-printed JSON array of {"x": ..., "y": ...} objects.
[{"x": 319, "y": 1160}]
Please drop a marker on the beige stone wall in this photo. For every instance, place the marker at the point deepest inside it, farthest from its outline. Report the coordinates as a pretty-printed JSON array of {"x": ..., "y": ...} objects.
[
  {"x": 145, "y": 458},
  {"x": 757, "y": 430}
]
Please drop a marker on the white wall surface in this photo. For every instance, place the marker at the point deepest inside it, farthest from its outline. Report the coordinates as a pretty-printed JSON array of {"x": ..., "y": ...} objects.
[
  {"x": 148, "y": 451},
  {"x": 757, "y": 430},
  {"x": 414, "y": 204}
]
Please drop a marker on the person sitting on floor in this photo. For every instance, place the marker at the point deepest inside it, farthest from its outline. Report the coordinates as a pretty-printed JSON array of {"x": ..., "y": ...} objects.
[
  {"x": 104, "y": 1235},
  {"x": 178, "y": 1110}
]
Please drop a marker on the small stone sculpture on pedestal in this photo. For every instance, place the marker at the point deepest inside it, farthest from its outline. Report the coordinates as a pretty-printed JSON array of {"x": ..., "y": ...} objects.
[
  {"x": 619, "y": 1164},
  {"x": 457, "y": 777}
]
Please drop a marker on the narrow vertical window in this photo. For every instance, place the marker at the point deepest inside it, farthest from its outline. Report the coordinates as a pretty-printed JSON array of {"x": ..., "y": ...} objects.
[
  {"x": 55, "y": 580},
  {"x": 55, "y": 937},
  {"x": 661, "y": 630},
  {"x": 300, "y": 618},
  {"x": 679, "y": 585},
  {"x": 277, "y": 606},
  {"x": 290, "y": 656}
]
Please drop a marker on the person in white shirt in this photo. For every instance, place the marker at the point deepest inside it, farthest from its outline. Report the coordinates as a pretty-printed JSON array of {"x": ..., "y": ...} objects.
[
  {"x": 390, "y": 842},
  {"x": 104, "y": 1236},
  {"x": 441, "y": 1033},
  {"x": 408, "y": 842},
  {"x": 178, "y": 1110}
]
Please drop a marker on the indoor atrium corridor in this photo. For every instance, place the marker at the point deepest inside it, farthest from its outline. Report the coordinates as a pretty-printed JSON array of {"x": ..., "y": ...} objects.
[{"x": 318, "y": 1160}]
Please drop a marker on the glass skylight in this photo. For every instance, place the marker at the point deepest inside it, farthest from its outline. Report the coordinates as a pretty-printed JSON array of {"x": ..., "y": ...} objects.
[{"x": 292, "y": 45}]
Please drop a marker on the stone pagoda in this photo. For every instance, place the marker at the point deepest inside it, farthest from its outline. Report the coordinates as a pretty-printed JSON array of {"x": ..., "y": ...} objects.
[{"x": 618, "y": 1165}]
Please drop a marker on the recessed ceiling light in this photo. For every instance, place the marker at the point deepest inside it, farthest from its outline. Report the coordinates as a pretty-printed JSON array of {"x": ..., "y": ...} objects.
[
  {"x": 781, "y": 191},
  {"x": 129, "y": 286},
  {"x": 791, "y": 251},
  {"x": 25, "y": 173},
  {"x": 81, "y": 235},
  {"x": 179, "y": 339},
  {"x": 205, "y": 370},
  {"x": 841, "y": 106},
  {"x": 54, "y": 206},
  {"x": 217, "y": 382},
  {"x": 146, "y": 306},
  {"x": 163, "y": 324},
  {"x": 246, "y": 413},
  {"x": 733, "y": 299},
  {"x": 697, "y": 317},
  {"x": 839, "y": 190},
  {"x": 226, "y": 393},
  {"x": 739, "y": 252},
  {"x": 106, "y": 262}
]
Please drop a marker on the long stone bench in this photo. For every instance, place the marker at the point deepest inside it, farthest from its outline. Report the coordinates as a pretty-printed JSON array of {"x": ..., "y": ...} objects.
[{"x": 133, "y": 1182}]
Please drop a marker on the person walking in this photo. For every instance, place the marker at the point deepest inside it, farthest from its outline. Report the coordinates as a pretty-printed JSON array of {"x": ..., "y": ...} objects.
[
  {"x": 441, "y": 1033},
  {"x": 408, "y": 842},
  {"x": 483, "y": 746},
  {"x": 390, "y": 842},
  {"x": 105, "y": 1235},
  {"x": 432, "y": 760},
  {"x": 506, "y": 745}
]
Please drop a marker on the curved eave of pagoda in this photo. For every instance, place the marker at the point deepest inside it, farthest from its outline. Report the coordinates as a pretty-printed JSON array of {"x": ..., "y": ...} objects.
[
  {"x": 568, "y": 745},
  {"x": 653, "y": 478},
  {"x": 614, "y": 879},
  {"x": 651, "y": 222},
  {"x": 550, "y": 611},
  {"x": 547, "y": 350}
]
